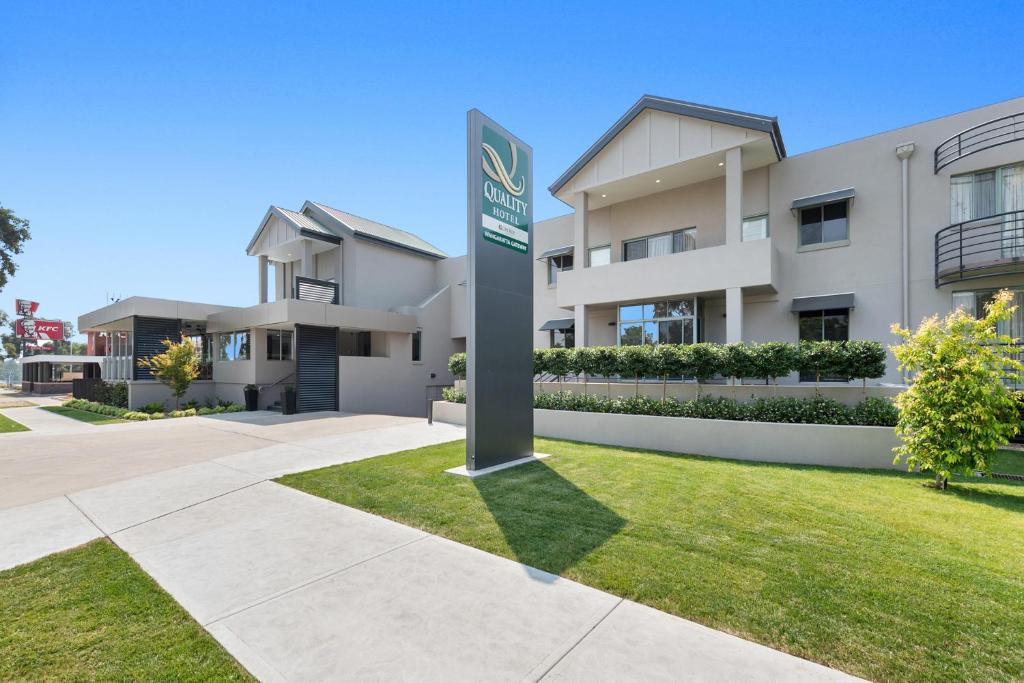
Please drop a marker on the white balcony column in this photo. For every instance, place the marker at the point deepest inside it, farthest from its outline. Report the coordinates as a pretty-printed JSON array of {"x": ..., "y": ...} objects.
[
  {"x": 308, "y": 263},
  {"x": 339, "y": 269},
  {"x": 263, "y": 278},
  {"x": 580, "y": 325},
  {"x": 733, "y": 315},
  {"x": 581, "y": 221},
  {"x": 734, "y": 195}
]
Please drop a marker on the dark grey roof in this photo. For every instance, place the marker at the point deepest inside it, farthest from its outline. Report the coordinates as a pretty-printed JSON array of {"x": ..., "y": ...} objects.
[
  {"x": 824, "y": 198},
  {"x": 559, "y": 324},
  {"x": 758, "y": 122},
  {"x": 557, "y": 251},
  {"x": 821, "y": 303},
  {"x": 373, "y": 230}
]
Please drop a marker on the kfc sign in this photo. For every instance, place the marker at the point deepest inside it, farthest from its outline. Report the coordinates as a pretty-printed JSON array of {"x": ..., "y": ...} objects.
[
  {"x": 26, "y": 308},
  {"x": 45, "y": 330}
]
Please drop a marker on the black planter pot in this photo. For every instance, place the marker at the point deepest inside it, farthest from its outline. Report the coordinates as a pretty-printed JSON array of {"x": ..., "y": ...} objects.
[
  {"x": 252, "y": 397},
  {"x": 288, "y": 402}
]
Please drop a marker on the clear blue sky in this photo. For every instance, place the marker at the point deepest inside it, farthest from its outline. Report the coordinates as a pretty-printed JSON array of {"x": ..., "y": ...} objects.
[{"x": 146, "y": 143}]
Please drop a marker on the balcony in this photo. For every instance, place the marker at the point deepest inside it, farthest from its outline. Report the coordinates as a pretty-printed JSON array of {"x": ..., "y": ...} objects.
[
  {"x": 748, "y": 265},
  {"x": 979, "y": 138},
  {"x": 311, "y": 289},
  {"x": 983, "y": 247}
]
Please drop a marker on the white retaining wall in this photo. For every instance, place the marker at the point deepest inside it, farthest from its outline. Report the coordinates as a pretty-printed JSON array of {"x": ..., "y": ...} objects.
[{"x": 802, "y": 444}]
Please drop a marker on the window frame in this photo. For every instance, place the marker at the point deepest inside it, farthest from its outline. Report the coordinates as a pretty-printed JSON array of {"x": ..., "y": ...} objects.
[
  {"x": 417, "y": 346},
  {"x": 814, "y": 246},
  {"x": 590, "y": 252},
  {"x": 280, "y": 334},
  {"x": 823, "y": 314},
  {"x": 650, "y": 323},
  {"x": 692, "y": 230},
  {"x": 767, "y": 227},
  {"x": 552, "y": 271},
  {"x": 242, "y": 349}
]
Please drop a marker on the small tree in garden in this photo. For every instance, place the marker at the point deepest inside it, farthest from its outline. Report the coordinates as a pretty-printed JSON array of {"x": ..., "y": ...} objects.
[
  {"x": 540, "y": 367},
  {"x": 667, "y": 360},
  {"x": 457, "y": 365},
  {"x": 821, "y": 359},
  {"x": 957, "y": 411},
  {"x": 863, "y": 359},
  {"x": 177, "y": 367},
  {"x": 636, "y": 361},
  {"x": 737, "y": 362},
  {"x": 605, "y": 362},
  {"x": 772, "y": 360},
  {"x": 558, "y": 363},
  {"x": 704, "y": 361},
  {"x": 582, "y": 361}
]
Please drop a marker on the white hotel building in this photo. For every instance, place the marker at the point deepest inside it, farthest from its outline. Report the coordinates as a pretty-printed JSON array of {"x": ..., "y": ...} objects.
[{"x": 689, "y": 223}]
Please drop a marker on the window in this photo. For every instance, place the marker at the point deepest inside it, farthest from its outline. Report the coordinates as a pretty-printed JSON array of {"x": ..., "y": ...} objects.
[
  {"x": 563, "y": 339},
  {"x": 661, "y": 322},
  {"x": 990, "y": 193},
  {"x": 755, "y": 228},
  {"x": 557, "y": 264},
  {"x": 600, "y": 256},
  {"x": 417, "y": 346},
  {"x": 354, "y": 343},
  {"x": 279, "y": 345},
  {"x": 660, "y": 245},
  {"x": 234, "y": 345},
  {"x": 829, "y": 325},
  {"x": 824, "y": 224}
]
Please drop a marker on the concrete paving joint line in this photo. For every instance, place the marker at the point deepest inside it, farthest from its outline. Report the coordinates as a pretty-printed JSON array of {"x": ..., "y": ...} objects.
[{"x": 547, "y": 666}]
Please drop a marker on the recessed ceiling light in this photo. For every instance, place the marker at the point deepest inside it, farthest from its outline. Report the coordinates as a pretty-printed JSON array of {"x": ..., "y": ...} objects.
[
  {"x": 604, "y": 195},
  {"x": 721, "y": 163},
  {"x": 658, "y": 181}
]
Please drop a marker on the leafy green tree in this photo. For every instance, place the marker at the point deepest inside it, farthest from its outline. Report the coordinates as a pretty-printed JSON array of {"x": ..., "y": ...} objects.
[
  {"x": 957, "y": 411},
  {"x": 772, "y": 360},
  {"x": 457, "y": 365},
  {"x": 737, "y": 362},
  {"x": 863, "y": 359},
  {"x": 704, "y": 362},
  {"x": 583, "y": 361},
  {"x": 14, "y": 232},
  {"x": 177, "y": 367},
  {"x": 605, "y": 362},
  {"x": 559, "y": 363},
  {"x": 668, "y": 360},
  {"x": 821, "y": 359},
  {"x": 637, "y": 362}
]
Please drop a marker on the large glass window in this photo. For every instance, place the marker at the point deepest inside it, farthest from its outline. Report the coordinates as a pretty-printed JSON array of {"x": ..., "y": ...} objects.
[
  {"x": 990, "y": 193},
  {"x": 660, "y": 245},
  {"x": 234, "y": 345},
  {"x": 279, "y": 345},
  {"x": 824, "y": 224},
  {"x": 658, "y": 322},
  {"x": 556, "y": 264},
  {"x": 975, "y": 303},
  {"x": 755, "y": 228},
  {"x": 828, "y": 325},
  {"x": 600, "y": 256}
]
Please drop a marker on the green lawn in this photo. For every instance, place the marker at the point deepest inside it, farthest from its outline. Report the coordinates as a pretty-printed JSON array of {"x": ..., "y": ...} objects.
[
  {"x": 1008, "y": 462},
  {"x": 84, "y": 415},
  {"x": 9, "y": 425},
  {"x": 867, "y": 571},
  {"x": 92, "y": 614}
]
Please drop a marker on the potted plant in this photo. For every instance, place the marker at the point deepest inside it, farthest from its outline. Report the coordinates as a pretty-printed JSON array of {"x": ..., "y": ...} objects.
[
  {"x": 288, "y": 400},
  {"x": 252, "y": 396}
]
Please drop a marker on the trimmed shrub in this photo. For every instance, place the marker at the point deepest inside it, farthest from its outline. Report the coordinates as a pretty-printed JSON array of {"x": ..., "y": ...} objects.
[
  {"x": 457, "y": 365},
  {"x": 450, "y": 394},
  {"x": 771, "y": 360},
  {"x": 822, "y": 359},
  {"x": 863, "y": 359},
  {"x": 112, "y": 394},
  {"x": 636, "y": 362},
  {"x": 152, "y": 408},
  {"x": 704, "y": 361},
  {"x": 879, "y": 412},
  {"x": 736, "y": 361}
]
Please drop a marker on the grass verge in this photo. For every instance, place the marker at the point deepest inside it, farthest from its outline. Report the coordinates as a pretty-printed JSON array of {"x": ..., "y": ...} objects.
[
  {"x": 866, "y": 571},
  {"x": 84, "y": 415},
  {"x": 92, "y": 614},
  {"x": 9, "y": 425}
]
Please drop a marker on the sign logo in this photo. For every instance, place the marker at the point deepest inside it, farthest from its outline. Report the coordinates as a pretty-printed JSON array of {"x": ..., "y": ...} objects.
[
  {"x": 505, "y": 216},
  {"x": 26, "y": 308},
  {"x": 39, "y": 330}
]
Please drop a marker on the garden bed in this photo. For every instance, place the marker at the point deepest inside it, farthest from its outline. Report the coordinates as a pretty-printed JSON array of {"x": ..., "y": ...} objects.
[{"x": 140, "y": 416}]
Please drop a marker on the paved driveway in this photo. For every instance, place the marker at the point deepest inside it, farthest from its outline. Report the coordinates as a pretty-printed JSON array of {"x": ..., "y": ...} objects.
[{"x": 300, "y": 588}]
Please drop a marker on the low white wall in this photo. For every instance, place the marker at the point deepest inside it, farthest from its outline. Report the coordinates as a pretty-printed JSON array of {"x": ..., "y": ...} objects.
[
  {"x": 801, "y": 444},
  {"x": 390, "y": 386},
  {"x": 150, "y": 391}
]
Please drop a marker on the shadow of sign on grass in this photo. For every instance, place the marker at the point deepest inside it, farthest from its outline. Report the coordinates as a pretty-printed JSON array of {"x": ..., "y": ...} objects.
[{"x": 548, "y": 522}]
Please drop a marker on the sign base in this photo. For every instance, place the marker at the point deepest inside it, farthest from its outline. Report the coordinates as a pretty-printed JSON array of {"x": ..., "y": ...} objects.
[{"x": 473, "y": 474}]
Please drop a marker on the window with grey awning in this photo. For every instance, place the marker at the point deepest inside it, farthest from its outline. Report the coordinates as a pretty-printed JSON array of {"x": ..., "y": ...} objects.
[
  {"x": 557, "y": 251},
  {"x": 820, "y": 303},
  {"x": 558, "y": 324},
  {"x": 823, "y": 198}
]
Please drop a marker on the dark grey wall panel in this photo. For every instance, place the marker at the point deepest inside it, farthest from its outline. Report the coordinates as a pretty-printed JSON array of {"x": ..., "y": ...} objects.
[
  {"x": 316, "y": 368},
  {"x": 147, "y": 340}
]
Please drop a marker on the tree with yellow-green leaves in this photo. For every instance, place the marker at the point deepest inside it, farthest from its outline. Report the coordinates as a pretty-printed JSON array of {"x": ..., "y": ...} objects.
[
  {"x": 177, "y": 367},
  {"x": 957, "y": 410}
]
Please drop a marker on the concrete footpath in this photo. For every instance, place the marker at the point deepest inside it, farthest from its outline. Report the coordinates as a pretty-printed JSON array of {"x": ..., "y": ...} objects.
[{"x": 300, "y": 588}]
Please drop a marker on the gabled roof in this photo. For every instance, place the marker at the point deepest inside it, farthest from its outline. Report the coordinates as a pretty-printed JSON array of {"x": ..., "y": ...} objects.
[
  {"x": 758, "y": 122},
  {"x": 372, "y": 230},
  {"x": 303, "y": 224}
]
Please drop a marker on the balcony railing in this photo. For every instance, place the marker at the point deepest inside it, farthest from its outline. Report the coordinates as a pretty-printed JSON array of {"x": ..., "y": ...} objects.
[
  {"x": 979, "y": 138},
  {"x": 983, "y": 247},
  {"x": 310, "y": 289}
]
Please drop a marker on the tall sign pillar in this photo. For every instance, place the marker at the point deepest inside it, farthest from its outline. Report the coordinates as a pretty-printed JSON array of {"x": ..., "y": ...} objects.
[{"x": 499, "y": 339}]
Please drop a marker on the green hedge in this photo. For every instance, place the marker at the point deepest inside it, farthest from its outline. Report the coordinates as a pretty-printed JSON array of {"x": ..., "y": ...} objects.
[
  {"x": 857, "y": 359},
  {"x": 139, "y": 416},
  {"x": 871, "y": 411}
]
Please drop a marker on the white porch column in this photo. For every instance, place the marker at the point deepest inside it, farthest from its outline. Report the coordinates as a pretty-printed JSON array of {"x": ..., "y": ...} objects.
[
  {"x": 580, "y": 230},
  {"x": 734, "y": 195},
  {"x": 339, "y": 270},
  {"x": 263, "y": 278},
  {"x": 308, "y": 265},
  {"x": 733, "y": 315},
  {"x": 580, "y": 331}
]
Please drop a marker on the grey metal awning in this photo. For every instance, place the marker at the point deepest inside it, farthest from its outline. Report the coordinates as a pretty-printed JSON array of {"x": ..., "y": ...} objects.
[
  {"x": 820, "y": 303},
  {"x": 824, "y": 198},
  {"x": 560, "y": 324},
  {"x": 557, "y": 251}
]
